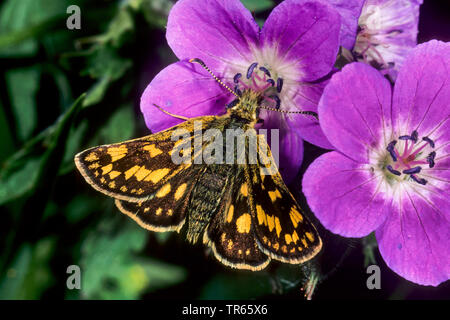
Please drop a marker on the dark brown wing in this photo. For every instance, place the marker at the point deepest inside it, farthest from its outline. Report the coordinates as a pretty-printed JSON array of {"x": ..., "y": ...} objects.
[
  {"x": 231, "y": 232},
  {"x": 136, "y": 169},
  {"x": 165, "y": 210},
  {"x": 282, "y": 231}
]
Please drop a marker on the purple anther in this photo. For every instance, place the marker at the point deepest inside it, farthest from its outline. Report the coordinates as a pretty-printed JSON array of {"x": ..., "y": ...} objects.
[
  {"x": 412, "y": 170},
  {"x": 430, "y": 142},
  {"x": 266, "y": 71},
  {"x": 414, "y": 136},
  {"x": 232, "y": 103},
  {"x": 390, "y": 148},
  {"x": 279, "y": 84},
  {"x": 271, "y": 82},
  {"x": 237, "y": 91},
  {"x": 430, "y": 159},
  {"x": 392, "y": 170},
  {"x": 421, "y": 181},
  {"x": 277, "y": 100},
  {"x": 250, "y": 69},
  {"x": 236, "y": 77},
  {"x": 405, "y": 138}
]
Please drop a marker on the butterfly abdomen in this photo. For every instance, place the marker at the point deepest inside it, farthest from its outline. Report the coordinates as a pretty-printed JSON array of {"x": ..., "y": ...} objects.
[{"x": 206, "y": 198}]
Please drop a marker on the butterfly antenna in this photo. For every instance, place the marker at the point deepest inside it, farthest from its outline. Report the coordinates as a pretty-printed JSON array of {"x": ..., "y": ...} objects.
[
  {"x": 204, "y": 66},
  {"x": 307, "y": 113}
]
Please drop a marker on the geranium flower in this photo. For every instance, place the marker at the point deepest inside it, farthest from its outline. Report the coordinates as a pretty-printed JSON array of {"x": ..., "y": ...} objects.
[
  {"x": 385, "y": 32},
  {"x": 391, "y": 171},
  {"x": 285, "y": 61}
]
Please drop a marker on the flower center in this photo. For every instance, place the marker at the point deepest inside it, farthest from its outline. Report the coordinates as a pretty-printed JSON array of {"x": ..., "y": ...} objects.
[
  {"x": 367, "y": 42},
  {"x": 260, "y": 80},
  {"x": 409, "y": 159}
]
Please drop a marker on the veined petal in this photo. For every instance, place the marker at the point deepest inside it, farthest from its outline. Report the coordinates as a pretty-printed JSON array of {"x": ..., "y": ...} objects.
[
  {"x": 222, "y": 33},
  {"x": 388, "y": 31},
  {"x": 183, "y": 89},
  {"x": 422, "y": 92},
  {"x": 307, "y": 98},
  {"x": 414, "y": 240},
  {"x": 349, "y": 11},
  {"x": 304, "y": 35},
  {"x": 354, "y": 111},
  {"x": 347, "y": 197}
]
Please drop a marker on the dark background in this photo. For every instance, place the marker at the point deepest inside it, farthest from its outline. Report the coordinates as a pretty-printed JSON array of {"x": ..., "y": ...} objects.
[{"x": 52, "y": 219}]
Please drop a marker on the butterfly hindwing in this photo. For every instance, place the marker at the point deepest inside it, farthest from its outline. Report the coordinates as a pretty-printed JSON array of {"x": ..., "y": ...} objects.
[
  {"x": 134, "y": 170},
  {"x": 282, "y": 231},
  {"x": 165, "y": 210},
  {"x": 231, "y": 232}
]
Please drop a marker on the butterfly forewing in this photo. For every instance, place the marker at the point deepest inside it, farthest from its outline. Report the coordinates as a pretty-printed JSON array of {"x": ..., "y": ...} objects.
[
  {"x": 282, "y": 230},
  {"x": 134, "y": 170}
]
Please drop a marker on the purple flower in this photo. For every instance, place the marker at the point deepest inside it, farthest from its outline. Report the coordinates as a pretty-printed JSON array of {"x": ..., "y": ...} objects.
[
  {"x": 391, "y": 171},
  {"x": 387, "y": 32},
  {"x": 379, "y": 32},
  {"x": 285, "y": 61}
]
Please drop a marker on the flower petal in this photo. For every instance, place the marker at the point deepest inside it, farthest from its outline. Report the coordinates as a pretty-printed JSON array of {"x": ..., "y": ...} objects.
[
  {"x": 307, "y": 98},
  {"x": 220, "y": 32},
  {"x": 305, "y": 34},
  {"x": 422, "y": 92},
  {"x": 183, "y": 89},
  {"x": 349, "y": 11},
  {"x": 414, "y": 240},
  {"x": 346, "y": 196},
  {"x": 391, "y": 29},
  {"x": 354, "y": 111}
]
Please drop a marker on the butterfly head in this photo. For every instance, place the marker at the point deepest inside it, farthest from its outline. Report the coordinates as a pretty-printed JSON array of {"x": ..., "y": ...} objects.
[
  {"x": 249, "y": 101},
  {"x": 246, "y": 106}
]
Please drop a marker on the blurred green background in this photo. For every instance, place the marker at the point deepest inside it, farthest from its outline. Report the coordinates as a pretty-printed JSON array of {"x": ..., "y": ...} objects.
[{"x": 63, "y": 91}]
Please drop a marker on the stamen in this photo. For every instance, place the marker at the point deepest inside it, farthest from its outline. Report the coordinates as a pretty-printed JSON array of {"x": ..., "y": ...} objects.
[
  {"x": 277, "y": 100},
  {"x": 236, "y": 77},
  {"x": 405, "y": 138},
  {"x": 430, "y": 159},
  {"x": 271, "y": 82},
  {"x": 412, "y": 170},
  {"x": 232, "y": 103},
  {"x": 393, "y": 171},
  {"x": 251, "y": 68},
  {"x": 237, "y": 91},
  {"x": 414, "y": 136},
  {"x": 390, "y": 148},
  {"x": 430, "y": 142},
  {"x": 421, "y": 181},
  {"x": 279, "y": 84},
  {"x": 267, "y": 72}
]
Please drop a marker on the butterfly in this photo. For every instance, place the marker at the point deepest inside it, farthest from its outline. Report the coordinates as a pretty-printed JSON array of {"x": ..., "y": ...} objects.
[{"x": 242, "y": 210}]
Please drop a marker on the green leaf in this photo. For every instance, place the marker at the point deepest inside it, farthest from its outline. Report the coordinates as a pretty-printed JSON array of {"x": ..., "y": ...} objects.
[
  {"x": 106, "y": 66},
  {"x": 258, "y": 5},
  {"x": 155, "y": 11},
  {"x": 119, "y": 127},
  {"x": 73, "y": 146},
  {"x": 29, "y": 274},
  {"x": 17, "y": 183},
  {"x": 111, "y": 269},
  {"x": 79, "y": 208},
  {"x": 21, "y": 21},
  {"x": 23, "y": 85},
  {"x": 24, "y": 172}
]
